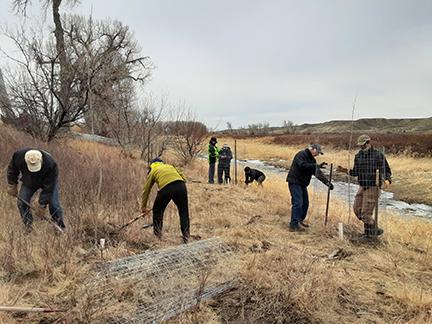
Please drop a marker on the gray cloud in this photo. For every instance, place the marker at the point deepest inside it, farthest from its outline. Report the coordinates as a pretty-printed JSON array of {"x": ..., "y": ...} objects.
[{"x": 250, "y": 61}]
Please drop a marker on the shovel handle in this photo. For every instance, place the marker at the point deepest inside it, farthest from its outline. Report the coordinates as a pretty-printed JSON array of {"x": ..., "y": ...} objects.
[
  {"x": 328, "y": 195},
  {"x": 132, "y": 221},
  {"x": 58, "y": 228}
]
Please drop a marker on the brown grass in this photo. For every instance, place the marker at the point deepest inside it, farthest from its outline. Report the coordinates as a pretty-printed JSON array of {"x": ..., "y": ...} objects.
[
  {"x": 412, "y": 176},
  {"x": 291, "y": 282},
  {"x": 416, "y": 145}
]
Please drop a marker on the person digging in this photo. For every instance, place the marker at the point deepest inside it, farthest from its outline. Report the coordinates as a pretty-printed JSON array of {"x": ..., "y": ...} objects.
[
  {"x": 303, "y": 167},
  {"x": 35, "y": 169},
  {"x": 172, "y": 186}
]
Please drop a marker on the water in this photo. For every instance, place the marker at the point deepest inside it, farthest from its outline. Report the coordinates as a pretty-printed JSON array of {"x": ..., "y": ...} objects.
[{"x": 340, "y": 190}]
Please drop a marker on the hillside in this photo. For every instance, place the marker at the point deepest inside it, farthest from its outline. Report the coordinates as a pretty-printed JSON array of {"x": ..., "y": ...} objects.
[
  {"x": 364, "y": 125},
  {"x": 374, "y": 125}
]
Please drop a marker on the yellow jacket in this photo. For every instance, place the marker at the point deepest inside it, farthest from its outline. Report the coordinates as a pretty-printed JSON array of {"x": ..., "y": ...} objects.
[{"x": 163, "y": 174}]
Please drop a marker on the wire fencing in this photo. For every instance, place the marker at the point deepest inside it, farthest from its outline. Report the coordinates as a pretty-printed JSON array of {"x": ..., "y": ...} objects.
[{"x": 160, "y": 284}]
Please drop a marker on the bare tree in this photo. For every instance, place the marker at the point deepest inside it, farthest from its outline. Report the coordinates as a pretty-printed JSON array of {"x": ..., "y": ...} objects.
[
  {"x": 63, "y": 95},
  {"x": 259, "y": 128},
  {"x": 139, "y": 126},
  {"x": 229, "y": 127},
  {"x": 102, "y": 61},
  {"x": 288, "y": 127},
  {"x": 189, "y": 135}
]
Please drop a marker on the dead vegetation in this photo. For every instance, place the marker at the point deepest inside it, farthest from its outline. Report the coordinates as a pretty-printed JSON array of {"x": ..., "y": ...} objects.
[
  {"x": 415, "y": 145},
  {"x": 285, "y": 278},
  {"x": 412, "y": 176}
]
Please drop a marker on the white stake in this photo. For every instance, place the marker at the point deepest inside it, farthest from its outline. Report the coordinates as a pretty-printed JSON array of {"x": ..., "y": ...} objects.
[
  {"x": 340, "y": 230},
  {"x": 102, "y": 246}
]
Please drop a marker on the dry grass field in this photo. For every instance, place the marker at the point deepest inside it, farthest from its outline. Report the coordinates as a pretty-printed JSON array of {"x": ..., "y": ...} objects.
[
  {"x": 412, "y": 176},
  {"x": 291, "y": 281}
]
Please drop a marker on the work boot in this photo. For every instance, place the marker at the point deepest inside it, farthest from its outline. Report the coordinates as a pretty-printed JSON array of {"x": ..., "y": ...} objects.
[
  {"x": 296, "y": 228},
  {"x": 370, "y": 231},
  {"x": 302, "y": 223}
]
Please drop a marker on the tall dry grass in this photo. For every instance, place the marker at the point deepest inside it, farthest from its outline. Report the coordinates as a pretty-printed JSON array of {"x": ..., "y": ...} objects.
[
  {"x": 285, "y": 278},
  {"x": 412, "y": 176},
  {"x": 293, "y": 281}
]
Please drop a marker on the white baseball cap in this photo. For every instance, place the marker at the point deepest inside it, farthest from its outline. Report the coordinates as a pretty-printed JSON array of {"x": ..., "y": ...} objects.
[{"x": 33, "y": 159}]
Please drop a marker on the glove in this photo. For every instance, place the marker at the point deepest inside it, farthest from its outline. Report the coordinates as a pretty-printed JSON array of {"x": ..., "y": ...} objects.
[
  {"x": 12, "y": 190},
  {"x": 386, "y": 184},
  {"x": 330, "y": 185},
  {"x": 145, "y": 210},
  {"x": 322, "y": 165},
  {"x": 341, "y": 169},
  {"x": 41, "y": 211}
]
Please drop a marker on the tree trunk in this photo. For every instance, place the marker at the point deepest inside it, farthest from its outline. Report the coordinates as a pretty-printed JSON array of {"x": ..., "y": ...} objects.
[{"x": 64, "y": 64}]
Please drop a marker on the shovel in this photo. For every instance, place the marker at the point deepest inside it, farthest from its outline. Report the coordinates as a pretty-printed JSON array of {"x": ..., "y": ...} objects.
[
  {"x": 328, "y": 195},
  {"x": 131, "y": 222},
  {"x": 58, "y": 228}
]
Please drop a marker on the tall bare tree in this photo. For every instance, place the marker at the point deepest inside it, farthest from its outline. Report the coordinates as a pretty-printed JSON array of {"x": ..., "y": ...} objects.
[{"x": 102, "y": 59}]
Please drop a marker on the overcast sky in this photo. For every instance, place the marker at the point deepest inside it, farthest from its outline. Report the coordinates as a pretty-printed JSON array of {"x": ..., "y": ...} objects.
[{"x": 249, "y": 61}]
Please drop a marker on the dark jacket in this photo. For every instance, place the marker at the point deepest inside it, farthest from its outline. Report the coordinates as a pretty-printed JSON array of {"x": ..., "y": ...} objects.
[
  {"x": 213, "y": 153},
  {"x": 44, "y": 179},
  {"x": 252, "y": 175},
  {"x": 225, "y": 156},
  {"x": 366, "y": 164},
  {"x": 303, "y": 167}
]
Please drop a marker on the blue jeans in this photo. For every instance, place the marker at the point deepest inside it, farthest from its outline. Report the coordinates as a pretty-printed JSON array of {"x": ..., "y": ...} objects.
[
  {"x": 55, "y": 209},
  {"x": 299, "y": 203}
]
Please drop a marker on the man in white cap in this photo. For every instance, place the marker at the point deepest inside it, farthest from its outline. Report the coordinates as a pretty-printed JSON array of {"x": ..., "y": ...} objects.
[{"x": 38, "y": 170}]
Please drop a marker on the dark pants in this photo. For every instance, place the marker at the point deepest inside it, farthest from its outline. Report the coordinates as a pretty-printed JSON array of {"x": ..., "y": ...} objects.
[
  {"x": 54, "y": 206},
  {"x": 211, "y": 172},
  {"x": 223, "y": 173},
  {"x": 299, "y": 203},
  {"x": 177, "y": 192}
]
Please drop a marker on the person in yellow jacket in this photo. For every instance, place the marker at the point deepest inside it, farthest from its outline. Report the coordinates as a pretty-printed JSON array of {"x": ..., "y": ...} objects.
[{"x": 171, "y": 184}]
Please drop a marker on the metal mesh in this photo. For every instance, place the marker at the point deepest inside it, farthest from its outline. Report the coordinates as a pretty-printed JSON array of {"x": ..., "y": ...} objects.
[
  {"x": 157, "y": 285},
  {"x": 371, "y": 169}
]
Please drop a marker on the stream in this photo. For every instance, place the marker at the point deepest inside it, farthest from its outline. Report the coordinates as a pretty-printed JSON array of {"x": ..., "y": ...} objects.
[{"x": 340, "y": 190}]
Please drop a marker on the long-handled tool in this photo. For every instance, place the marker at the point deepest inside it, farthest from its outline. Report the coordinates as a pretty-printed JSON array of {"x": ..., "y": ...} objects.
[
  {"x": 328, "y": 194},
  {"x": 58, "y": 228},
  {"x": 27, "y": 309},
  {"x": 147, "y": 225},
  {"x": 131, "y": 222}
]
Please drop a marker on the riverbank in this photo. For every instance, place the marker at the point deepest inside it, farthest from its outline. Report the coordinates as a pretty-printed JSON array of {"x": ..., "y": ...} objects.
[
  {"x": 282, "y": 277},
  {"x": 412, "y": 177}
]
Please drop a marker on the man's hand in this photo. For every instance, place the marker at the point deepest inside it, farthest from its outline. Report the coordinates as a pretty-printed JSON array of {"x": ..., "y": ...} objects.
[
  {"x": 330, "y": 185},
  {"x": 322, "y": 165},
  {"x": 386, "y": 184},
  {"x": 341, "y": 169},
  {"x": 145, "y": 210},
  {"x": 12, "y": 190},
  {"x": 41, "y": 211}
]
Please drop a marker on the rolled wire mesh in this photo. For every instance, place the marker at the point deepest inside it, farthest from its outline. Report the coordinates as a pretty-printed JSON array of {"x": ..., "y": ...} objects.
[{"x": 157, "y": 285}]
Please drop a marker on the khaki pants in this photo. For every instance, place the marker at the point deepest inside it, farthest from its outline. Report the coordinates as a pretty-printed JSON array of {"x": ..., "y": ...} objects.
[{"x": 365, "y": 202}]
